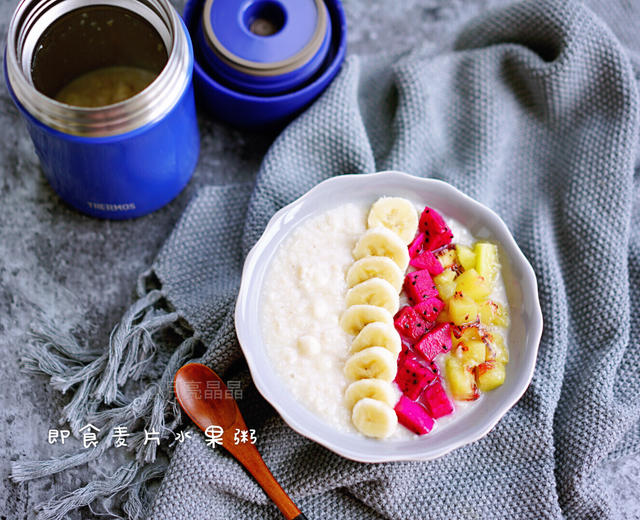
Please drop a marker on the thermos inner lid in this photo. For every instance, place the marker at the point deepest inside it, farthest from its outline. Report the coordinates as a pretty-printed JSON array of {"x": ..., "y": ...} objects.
[{"x": 265, "y": 37}]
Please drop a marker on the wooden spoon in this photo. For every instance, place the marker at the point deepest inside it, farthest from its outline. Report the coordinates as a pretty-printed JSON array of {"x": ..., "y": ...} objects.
[{"x": 205, "y": 399}]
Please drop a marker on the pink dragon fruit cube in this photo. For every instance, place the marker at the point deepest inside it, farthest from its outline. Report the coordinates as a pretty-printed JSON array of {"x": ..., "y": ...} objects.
[
  {"x": 416, "y": 247},
  {"x": 436, "y": 400},
  {"x": 409, "y": 324},
  {"x": 413, "y": 416},
  {"x": 419, "y": 286},
  {"x": 429, "y": 309},
  {"x": 427, "y": 260},
  {"x": 413, "y": 377},
  {"x": 435, "y": 229},
  {"x": 435, "y": 342}
]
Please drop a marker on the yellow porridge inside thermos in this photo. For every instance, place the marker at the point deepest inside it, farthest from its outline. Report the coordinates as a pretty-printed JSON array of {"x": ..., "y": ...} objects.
[{"x": 105, "y": 86}]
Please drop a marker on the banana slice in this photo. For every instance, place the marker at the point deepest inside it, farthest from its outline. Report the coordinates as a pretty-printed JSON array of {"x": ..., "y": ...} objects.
[
  {"x": 371, "y": 363},
  {"x": 377, "y": 334},
  {"x": 373, "y": 388},
  {"x": 357, "y": 316},
  {"x": 381, "y": 241},
  {"x": 396, "y": 214},
  {"x": 375, "y": 267},
  {"x": 374, "y": 291},
  {"x": 374, "y": 418}
]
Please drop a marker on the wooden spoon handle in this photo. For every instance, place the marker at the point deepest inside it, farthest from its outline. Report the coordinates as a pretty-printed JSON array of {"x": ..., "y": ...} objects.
[{"x": 250, "y": 458}]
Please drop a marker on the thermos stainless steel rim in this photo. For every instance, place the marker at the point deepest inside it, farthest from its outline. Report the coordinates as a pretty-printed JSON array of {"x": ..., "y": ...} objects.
[
  {"x": 119, "y": 158},
  {"x": 31, "y": 20}
]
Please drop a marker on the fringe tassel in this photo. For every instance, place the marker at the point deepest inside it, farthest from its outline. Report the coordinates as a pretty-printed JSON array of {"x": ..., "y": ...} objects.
[
  {"x": 59, "y": 508},
  {"x": 96, "y": 379},
  {"x": 99, "y": 376},
  {"x": 131, "y": 478},
  {"x": 138, "y": 498},
  {"x": 121, "y": 338},
  {"x": 23, "y": 471}
]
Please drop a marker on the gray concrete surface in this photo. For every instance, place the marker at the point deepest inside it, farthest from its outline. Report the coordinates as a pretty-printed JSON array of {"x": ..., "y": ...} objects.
[{"x": 80, "y": 272}]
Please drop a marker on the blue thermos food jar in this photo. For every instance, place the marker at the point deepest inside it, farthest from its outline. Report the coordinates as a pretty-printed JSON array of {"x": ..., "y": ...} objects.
[{"x": 120, "y": 144}]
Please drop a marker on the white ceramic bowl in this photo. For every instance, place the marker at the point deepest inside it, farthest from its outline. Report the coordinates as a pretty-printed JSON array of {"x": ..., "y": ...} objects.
[{"x": 522, "y": 293}]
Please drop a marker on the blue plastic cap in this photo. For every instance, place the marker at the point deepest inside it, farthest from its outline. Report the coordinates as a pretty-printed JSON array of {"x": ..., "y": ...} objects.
[{"x": 265, "y": 46}]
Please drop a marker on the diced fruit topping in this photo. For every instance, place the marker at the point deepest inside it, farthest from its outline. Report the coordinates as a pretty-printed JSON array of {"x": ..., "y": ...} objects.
[
  {"x": 466, "y": 256},
  {"x": 486, "y": 260},
  {"x": 413, "y": 416},
  {"x": 417, "y": 246},
  {"x": 471, "y": 352},
  {"x": 404, "y": 353},
  {"x": 419, "y": 286},
  {"x": 450, "y": 312},
  {"x": 447, "y": 276},
  {"x": 432, "y": 222},
  {"x": 490, "y": 375},
  {"x": 413, "y": 377},
  {"x": 437, "y": 401},
  {"x": 435, "y": 342},
  {"x": 461, "y": 380},
  {"x": 445, "y": 284},
  {"x": 496, "y": 351},
  {"x": 466, "y": 333},
  {"x": 427, "y": 260},
  {"x": 462, "y": 309},
  {"x": 446, "y": 258},
  {"x": 409, "y": 323},
  {"x": 438, "y": 241},
  {"x": 493, "y": 313},
  {"x": 471, "y": 284},
  {"x": 436, "y": 230},
  {"x": 429, "y": 309}
]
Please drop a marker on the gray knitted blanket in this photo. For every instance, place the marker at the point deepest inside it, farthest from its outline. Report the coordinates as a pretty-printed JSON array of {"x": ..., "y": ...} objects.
[{"x": 534, "y": 112}]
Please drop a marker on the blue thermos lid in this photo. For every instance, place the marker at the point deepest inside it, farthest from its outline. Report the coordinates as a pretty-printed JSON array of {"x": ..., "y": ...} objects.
[
  {"x": 265, "y": 46},
  {"x": 259, "y": 62}
]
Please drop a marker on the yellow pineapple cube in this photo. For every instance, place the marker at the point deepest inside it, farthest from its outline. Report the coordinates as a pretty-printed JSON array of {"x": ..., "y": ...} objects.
[
  {"x": 466, "y": 256},
  {"x": 490, "y": 375},
  {"x": 487, "y": 260},
  {"x": 445, "y": 284},
  {"x": 496, "y": 349},
  {"x": 468, "y": 334},
  {"x": 447, "y": 257},
  {"x": 461, "y": 380},
  {"x": 446, "y": 290},
  {"x": 493, "y": 313},
  {"x": 462, "y": 309},
  {"x": 447, "y": 275},
  {"x": 471, "y": 352},
  {"x": 473, "y": 285}
]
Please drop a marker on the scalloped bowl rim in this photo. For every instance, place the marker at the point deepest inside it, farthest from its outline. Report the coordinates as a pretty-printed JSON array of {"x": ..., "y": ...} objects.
[{"x": 305, "y": 422}]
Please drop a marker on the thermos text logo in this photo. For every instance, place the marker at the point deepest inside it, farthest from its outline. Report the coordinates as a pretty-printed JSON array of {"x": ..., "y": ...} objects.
[{"x": 112, "y": 207}]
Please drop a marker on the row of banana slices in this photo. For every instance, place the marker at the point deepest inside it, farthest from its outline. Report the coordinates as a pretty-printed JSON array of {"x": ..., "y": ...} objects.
[{"x": 375, "y": 281}]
